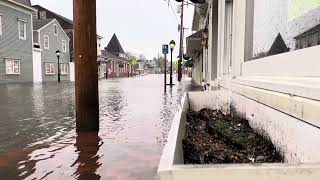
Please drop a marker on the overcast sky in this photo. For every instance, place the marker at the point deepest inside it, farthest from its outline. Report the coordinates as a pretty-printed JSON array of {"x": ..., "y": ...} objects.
[{"x": 142, "y": 26}]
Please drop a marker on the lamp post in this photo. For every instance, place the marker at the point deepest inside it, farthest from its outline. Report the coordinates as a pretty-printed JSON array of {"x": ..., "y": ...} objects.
[
  {"x": 58, "y": 57},
  {"x": 172, "y": 46}
]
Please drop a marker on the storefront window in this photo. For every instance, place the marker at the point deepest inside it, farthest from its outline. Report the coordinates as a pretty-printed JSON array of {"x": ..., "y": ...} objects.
[{"x": 283, "y": 26}]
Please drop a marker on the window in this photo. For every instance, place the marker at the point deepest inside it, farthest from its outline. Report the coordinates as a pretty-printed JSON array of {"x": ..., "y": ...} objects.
[
  {"x": 64, "y": 46},
  {"x": 0, "y": 24},
  {"x": 43, "y": 15},
  {"x": 35, "y": 15},
  {"x": 46, "y": 42},
  {"x": 22, "y": 28},
  {"x": 49, "y": 68},
  {"x": 274, "y": 26},
  {"x": 64, "y": 69},
  {"x": 55, "y": 28},
  {"x": 12, "y": 66}
]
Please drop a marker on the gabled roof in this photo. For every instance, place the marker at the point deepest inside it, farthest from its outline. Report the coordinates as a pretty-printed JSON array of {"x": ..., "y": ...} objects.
[
  {"x": 109, "y": 55},
  {"x": 278, "y": 46},
  {"x": 196, "y": 35},
  {"x": 38, "y": 24},
  {"x": 308, "y": 32},
  {"x": 23, "y": 2},
  {"x": 63, "y": 21},
  {"x": 114, "y": 46}
]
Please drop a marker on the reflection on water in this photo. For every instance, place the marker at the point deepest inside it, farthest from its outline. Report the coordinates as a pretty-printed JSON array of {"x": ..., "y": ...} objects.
[
  {"x": 38, "y": 138},
  {"x": 87, "y": 145}
]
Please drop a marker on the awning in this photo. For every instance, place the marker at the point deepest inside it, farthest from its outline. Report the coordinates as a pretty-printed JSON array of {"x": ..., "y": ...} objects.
[{"x": 194, "y": 44}]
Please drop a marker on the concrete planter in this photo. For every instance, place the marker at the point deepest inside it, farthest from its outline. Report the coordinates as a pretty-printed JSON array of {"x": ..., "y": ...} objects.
[{"x": 299, "y": 167}]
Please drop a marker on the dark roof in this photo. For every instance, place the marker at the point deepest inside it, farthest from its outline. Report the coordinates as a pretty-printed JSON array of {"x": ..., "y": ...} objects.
[
  {"x": 23, "y": 2},
  {"x": 38, "y": 24},
  {"x": 308, "y": 32},
  {"x": 114, "y": 46},
  {"x": 108, "y": 55},
  {"x": 196, "y": 35},
  {"x": 278, "y": 47},
  {"x": 64, "y": 22}
]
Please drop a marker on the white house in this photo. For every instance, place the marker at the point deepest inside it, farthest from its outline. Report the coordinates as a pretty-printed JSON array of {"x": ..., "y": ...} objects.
[{"x": 281, "y": 86}]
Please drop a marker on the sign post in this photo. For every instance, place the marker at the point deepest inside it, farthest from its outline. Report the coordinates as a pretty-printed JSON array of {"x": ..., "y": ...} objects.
[{"x": 165, "y": 51}]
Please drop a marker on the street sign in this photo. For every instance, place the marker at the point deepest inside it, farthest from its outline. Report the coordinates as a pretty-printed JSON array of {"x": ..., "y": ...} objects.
[
  {"x": 165, "y": 49},
  {"x": 134, "y": 62}
]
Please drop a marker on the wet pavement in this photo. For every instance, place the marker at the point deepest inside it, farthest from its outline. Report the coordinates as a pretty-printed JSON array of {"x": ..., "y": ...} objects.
[{"x": 38, "y": 138}]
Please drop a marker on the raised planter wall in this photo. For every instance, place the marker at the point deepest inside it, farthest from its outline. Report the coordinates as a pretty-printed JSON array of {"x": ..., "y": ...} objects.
[{"x": 297, "y": 140}]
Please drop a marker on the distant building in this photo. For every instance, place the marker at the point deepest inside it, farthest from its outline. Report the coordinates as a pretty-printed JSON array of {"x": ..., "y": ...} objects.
[
  {"x": 141, "y": 66},
  {"x": 16, "y": 41},
  {"x": 115, "y": 63},
  {"x": 309, "y": 38},
  {"x": 66, "y": 24},
  {"x": 49, "y": 37}
]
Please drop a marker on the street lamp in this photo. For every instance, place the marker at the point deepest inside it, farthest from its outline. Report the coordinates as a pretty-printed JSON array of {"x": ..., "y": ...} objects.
[
  {"x": 172, "y": 46},
  {"x": 58, "y": 57}
]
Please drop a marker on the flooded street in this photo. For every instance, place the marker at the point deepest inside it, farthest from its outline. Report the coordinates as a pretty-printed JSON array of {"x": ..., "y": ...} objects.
[{"x": 38, "y": 138}]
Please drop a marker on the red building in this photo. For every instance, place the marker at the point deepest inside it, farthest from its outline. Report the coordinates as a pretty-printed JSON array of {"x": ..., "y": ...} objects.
[{"x": 115, "y": 63}]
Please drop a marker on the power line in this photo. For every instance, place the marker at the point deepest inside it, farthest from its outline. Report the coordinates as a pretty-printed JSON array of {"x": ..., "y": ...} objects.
[{"x": 174, "y": 12}]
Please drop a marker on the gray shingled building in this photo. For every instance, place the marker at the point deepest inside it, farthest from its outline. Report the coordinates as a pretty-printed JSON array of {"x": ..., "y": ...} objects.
[{"x": 16, "y": 41}]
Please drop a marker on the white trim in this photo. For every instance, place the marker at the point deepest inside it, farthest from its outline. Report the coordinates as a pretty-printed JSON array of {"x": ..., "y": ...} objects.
[
  {"x": 44, "y": 42},
  {"x": 286, "y": 64},
  {"x": 26, "y": 7},
  {"x": 46, "y": 25},
  {"x": 1, "y": 15},
  {"x": 45, "y": 68},
  {"x": 62, "y": 72},
  {"x": 65, "y": 43},
  {"x": 6, "y": 66},
  {"x": 22, "y": 20},
  {"x": 54, "y": 20},
  {"x": 24, "y": 23},
  {"x": 19, "y": 7},
  {"x": 299, "y": 107}
]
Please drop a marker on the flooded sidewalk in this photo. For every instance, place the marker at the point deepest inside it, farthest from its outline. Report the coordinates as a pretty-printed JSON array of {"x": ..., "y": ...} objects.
[{"x": 38, "y": 138}]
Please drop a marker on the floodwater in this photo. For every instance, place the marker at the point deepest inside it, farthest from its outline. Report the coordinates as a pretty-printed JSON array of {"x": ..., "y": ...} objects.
[{"x": 38, "y": 138}]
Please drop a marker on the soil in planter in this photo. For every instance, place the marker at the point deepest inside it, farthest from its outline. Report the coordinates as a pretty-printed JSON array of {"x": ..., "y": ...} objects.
[{"x": 215, "y": 138}]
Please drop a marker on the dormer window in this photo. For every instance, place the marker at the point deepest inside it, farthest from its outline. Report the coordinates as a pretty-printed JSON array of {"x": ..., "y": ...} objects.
[{"x": 43, "y": 15}]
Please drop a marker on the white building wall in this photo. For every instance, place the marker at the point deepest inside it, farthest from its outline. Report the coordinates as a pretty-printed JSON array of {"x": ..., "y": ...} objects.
[{"x": 278, "y": 94}]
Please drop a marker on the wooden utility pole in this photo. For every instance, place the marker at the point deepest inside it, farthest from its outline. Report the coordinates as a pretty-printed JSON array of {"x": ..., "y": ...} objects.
[
  {"x": 86, "y": 71},
  {"x": 181, "y": 44},
  {"x": 165, "y": 72}
]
